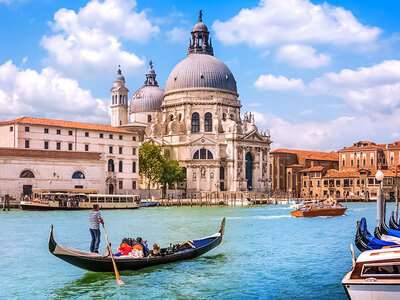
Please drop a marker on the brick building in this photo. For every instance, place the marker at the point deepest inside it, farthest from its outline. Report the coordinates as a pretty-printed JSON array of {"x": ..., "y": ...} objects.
[
  {"x": 355, "y": 178},
  {"x": 286, "y": 165}
]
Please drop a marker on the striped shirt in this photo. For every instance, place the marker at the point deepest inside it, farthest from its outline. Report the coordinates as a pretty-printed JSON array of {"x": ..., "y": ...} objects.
[{"x": 94, "y": 219}]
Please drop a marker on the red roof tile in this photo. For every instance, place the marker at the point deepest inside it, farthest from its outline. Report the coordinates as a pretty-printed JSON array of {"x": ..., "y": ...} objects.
[
  {"x": 313, "y": 155},
  {"x": 66, "y": 124},
  {"x": 332, "y": 173},
  {"x": 313, "y": 169}
]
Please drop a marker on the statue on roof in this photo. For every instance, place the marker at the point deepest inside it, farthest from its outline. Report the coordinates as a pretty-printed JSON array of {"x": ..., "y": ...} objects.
[{"x": 201, "y": 16}]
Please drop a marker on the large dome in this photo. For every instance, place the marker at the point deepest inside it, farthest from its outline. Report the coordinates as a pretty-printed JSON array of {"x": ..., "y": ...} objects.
[{"x": 198, "y": 71}]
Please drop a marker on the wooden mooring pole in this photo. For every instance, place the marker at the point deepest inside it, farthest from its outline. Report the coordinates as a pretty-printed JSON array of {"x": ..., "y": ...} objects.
[
  {"x": 6, "y": 203},
  {"x": 397, "y": 203}
]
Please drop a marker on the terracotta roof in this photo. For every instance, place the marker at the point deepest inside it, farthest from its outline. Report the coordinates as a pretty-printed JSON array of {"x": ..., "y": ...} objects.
[
  {"x": 364, "y": 145},
  {"x": 386, "y": 173},
  {"x": 313, "y": 169},
  {"x": 66, "y": 124},
  {"x": 313, "y": 155},
  {"x": 332, "y": 173},
  {"x": 13, "y": 152}
]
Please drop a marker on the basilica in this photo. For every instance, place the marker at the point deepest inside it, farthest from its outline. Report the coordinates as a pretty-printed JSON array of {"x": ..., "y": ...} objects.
[{"x": 197, "y": 121}]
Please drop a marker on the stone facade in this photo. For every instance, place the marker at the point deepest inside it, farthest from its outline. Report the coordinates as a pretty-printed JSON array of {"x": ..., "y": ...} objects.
[
  {"x": 53, "y": 151},
  {"x": 197, "y": 121}
]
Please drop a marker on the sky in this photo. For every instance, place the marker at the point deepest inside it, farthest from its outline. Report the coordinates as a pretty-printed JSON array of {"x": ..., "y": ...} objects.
[{"x": 320, "y": 75}]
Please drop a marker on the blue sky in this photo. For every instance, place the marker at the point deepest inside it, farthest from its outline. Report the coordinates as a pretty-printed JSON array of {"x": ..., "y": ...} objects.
[{"x": 320, "y": 75}]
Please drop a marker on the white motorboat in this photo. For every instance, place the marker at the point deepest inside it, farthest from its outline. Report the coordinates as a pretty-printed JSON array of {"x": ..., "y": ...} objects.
[{"x": 375, "y": 275}]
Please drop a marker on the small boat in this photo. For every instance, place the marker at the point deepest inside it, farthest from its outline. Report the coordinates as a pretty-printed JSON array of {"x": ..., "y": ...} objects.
[
  {"x": 375, "y": 275},
  {"x": 103, "y": 263},
  {"x": 323, "y": 209},
  {"x": 366, "y": 241}
]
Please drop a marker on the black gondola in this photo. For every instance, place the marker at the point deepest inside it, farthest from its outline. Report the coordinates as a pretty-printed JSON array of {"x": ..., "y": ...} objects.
[
  {"x": 365, "y": 241},
  {"x": 103, "y": 263},
  {"x": 392, "y": 223}
]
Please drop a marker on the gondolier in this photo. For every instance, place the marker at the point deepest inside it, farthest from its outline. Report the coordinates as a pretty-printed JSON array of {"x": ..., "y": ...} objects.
[{"x": 95, "y": 220}]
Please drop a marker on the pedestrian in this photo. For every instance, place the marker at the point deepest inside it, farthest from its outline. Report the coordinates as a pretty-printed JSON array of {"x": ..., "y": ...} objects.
[{"x": 95, "y": 220}]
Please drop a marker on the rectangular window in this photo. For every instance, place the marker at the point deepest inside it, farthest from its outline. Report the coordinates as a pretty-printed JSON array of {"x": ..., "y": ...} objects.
[
  {"x": 120, "y": 166},
  {"x": 26, "y": 129},
  {"x": 221, "y": 173},
  {"x": 110, "y": 149},
  {"x": 133, "y": 185},
  {"x": 343, "y": 162},
  {"x": 311, "y": 183},
  {"x": 69, "y": 132},
  {"x": 120, "y": 137},
  {"x": 337, "y": 182},
  {"x": 58, "y": 146},
  {"x": 79, "y": 186},
  {"x": 86, "y": 147},
  {"x": 305, "y": 183},
  {"x": 11, "y": 128},
  {"x": 346, "y": 183},
  {"x": 110, "y": 136},
  {"x": 318, "y": 184},
  {"x": 133, "y": 151},
  {"x": 86, "y": 134},
  {"x": 58, "y": 131},
  {"x": 120, "y": 150},
  {"x": 370, "y": 181},
  {"x": 372, "y": 161},
  {"x": 351, "y": 162},
  {"x": 358, "y": 182},
  {"x": 364, "y": 161},
  {"x": 70, "y": 146},
  {"x": 325, "y": 182},
  {"x": 26, "y": 143},
  {"x": 148, "y": 118},
  {"x": 134, "y": 138},
  {"x": 120, "y": 185},
  {"x": 46, "y": 145},
  {"x": 46, "y": 130},
  {"x": 134, "y": 167},
  {"x": 101, "y": 135}
]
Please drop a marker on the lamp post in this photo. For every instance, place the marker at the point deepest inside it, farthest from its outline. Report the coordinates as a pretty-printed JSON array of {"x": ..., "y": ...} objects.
[{"x": 380, "y": 209}]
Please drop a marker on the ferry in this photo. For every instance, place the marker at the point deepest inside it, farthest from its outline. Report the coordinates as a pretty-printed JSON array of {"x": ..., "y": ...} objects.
[
  {"x": 78, "y": 201},
  {"x": 375, "y": 275}
]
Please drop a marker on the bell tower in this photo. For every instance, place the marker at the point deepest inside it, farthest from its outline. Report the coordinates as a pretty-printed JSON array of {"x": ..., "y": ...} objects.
[{"x": 119, "y": 101}]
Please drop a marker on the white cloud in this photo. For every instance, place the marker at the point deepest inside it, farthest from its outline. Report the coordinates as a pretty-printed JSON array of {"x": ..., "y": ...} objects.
[
  {"x": 302, "y": 56},
  {"x": 46, "y": 94},
  {"x": 331, "y": 134},
  {"x": 373, "y": 89},
  {"x": 88, "y": 43},
  {"x": 277, "y": 22},
  {"x": 280, "y": 83},
  {"x": 177, "y": 34}
]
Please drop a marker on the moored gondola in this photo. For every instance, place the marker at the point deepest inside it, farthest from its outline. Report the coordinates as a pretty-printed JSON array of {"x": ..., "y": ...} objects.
[
  {"x": 365, "y": 241},
  {"x": 103, "y": 263},
  {"x": 392, "y": 222}
]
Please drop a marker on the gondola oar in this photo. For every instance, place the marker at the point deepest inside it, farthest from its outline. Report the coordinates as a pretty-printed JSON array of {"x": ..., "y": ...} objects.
[{"x": 119, "y": 281}]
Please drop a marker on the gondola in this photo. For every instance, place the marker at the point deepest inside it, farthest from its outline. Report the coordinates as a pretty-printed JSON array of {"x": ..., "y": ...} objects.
[
  {"x": 103, "y": 263},
  {"x": 366, "y": 241},
  {"x": 384, "y": 229},
  {"x": 392, "y": 222}
]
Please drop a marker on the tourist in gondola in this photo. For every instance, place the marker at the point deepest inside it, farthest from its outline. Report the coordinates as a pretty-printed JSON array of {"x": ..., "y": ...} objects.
[
  {"x": 95, "y": 220},
  {"x": 145, "y": 249}
]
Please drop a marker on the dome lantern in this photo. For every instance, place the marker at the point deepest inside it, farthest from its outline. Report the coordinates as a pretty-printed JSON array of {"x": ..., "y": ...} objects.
[
  {"x": 119, "y": 77},
  {"x": 200, "y": 38}
]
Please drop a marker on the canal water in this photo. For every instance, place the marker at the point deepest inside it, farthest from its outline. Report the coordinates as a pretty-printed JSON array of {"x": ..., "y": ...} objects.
[{"x": 265, "y": 254}]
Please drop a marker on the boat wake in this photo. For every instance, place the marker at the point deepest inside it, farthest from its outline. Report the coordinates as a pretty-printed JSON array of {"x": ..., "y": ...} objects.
[{"x": 272, "y": 217}]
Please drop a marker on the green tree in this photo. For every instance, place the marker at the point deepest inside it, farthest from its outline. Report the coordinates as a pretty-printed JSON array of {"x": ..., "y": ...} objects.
[
  {"x": 150, "y": 162},
  {"x": 170, "y": 173}
]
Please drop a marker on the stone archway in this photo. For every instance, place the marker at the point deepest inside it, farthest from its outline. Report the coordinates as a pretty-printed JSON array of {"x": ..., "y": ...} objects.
[{"x": 249, "y": 170}]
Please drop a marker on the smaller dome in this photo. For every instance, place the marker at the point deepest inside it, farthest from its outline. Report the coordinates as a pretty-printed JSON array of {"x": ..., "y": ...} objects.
[
  {"x": 147, "y": 98},
  {"x": 200, "y": 27},
  {"x": 119, "y": 77}
]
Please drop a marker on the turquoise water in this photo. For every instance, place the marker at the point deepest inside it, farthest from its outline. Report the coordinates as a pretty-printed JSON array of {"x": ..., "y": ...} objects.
[{"x": 265, "y": 254}]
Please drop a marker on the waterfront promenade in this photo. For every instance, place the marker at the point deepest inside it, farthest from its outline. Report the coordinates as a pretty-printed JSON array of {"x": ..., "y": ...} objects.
[{"x": 265, "y": 253}]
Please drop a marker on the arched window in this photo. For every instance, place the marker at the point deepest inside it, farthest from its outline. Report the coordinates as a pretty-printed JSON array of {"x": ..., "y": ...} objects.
[
  {"x": 208, "y": 122},
  {"x": 184, "y": 171},
  {"x": 110, "y": 165},
  {"x": 120, "y": 166},
  {"x": 203, "y": 154},
  {"x": 195, "y": 122},
  {"x": 78, "y": 175},
  {"x": 27, "y": 174},
  {"x": 134, "y": 167}
]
